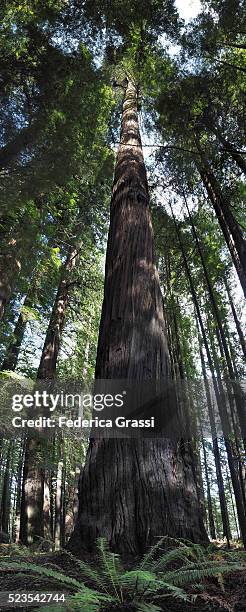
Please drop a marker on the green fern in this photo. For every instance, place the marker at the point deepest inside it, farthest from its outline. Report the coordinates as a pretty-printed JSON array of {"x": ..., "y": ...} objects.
[
  {"x": 199, "y": 572},
  {"x": 163, "y": 573},
  {"x": 87, "y": 571},
  {"x": 44, "y": 571},
  {"x": 90, "y": 602},
  {"x": 111, "y": 567}
]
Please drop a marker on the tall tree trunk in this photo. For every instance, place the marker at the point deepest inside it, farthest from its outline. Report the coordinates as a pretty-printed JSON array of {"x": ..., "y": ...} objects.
[
  {"x": 58, "y": 506},
  {"x": 4, "y": 509},
  {"x": 221, "y": 403},
  {"x": 48, "y": 361},
  {"x": 132, "y": 491},
  {"x": 232, "y": 503},
  {"x": 221, "y": 332},
  {"x": 236, "y": 319},
  {"x": 167, "y": 316},
  {"x": 9, "y": 268},
  {"x": 63, "y": 505},
  {"x": 46, "y": 507},
  {"x": 18, "y": 489},
  {"x": 13, "y": 350},
  {"x": 227, "y": 146},
  {"x": 224, "y": 513},
  {"x": 230, "y": 227},
  {"x": 9, "y": 153},
  {"x": 72, "y": 502},
  {"x": 209, "y": 498},
  {"x": 216, "y": 451},
  {"x": 32, "y": 523}
]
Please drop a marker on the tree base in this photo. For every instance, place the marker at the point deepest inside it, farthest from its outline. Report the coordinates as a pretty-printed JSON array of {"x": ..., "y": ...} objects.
[{"x": 133, "y": 492}]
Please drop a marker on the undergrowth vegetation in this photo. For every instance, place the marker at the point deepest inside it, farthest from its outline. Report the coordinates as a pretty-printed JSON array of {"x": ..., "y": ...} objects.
[{"x": 170, "y": 569}]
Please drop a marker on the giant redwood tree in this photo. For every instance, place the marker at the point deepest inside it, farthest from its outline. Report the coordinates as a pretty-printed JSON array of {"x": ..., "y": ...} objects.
[{"x": 134, "y": 490}]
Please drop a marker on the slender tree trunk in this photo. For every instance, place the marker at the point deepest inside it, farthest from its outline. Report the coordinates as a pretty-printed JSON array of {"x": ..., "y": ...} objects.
[
  {"x": 9, "y": 268},
  {"x": 224, "y": 513},
  {"x": 232, "y": 503},
  {"x": 216, "y": 451},
  {"x": 32, "y": 523},
  {"x": 229, "y": 226},
  {"x": 48, "y": 361},
  {"x": 222, "y": 403},
  {"x": 63, "y": 505},
  {"x": 221, "y": 332},
  {"x": 72, "y": 503},
  {"x": 13, "y": 350},
  {"x": 4, "y": 509},
  {"x": 209, "y": 498},
  {"x": 167, "y": 316},
  {"x": 58, "y": 506},
  {"x": 9, "y": 153},
  {"x": 132, "y": 491},
  {"x": 236, "y": 319},
  {"x": 18, "y": 490},
  {"x": 227, "y": 146},
  {"x": 46, "y": 506}
]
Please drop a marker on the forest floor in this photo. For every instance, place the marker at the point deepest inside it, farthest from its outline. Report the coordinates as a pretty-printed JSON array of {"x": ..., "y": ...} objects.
[{"x": 231, "y": 596}]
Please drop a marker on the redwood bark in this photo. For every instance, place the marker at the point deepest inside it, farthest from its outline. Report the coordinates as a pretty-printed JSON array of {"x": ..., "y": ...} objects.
[
  {"x": 133, "y": 491},
  {"x": 48, "y": 361}
]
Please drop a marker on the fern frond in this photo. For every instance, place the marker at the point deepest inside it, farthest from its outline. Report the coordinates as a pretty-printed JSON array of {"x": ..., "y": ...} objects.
[
  {"x": 44, "y": 571},
  {"x": 151, "y": 584},
  {"x": 142, "y": 577},
  {"x": 152, "y": 551},
  {"x": 174, "y": 591},
  {"x": 199, "y": 552},
  {"x": 92, "y": 602},
  {"x": 184, "y": 545},
  {"x": 111, "y": 566},
  {"x": 87, "y": 571},
  {"x": 198, "y": 572},
  {"x": 176, "y": 554}
]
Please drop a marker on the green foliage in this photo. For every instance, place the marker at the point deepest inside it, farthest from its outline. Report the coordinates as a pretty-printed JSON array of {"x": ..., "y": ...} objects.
[{"x": 172, "y": 568}]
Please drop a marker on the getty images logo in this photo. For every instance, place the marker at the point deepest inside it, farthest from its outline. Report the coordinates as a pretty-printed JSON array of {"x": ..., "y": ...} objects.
[{"x": 50, "y": 401}]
